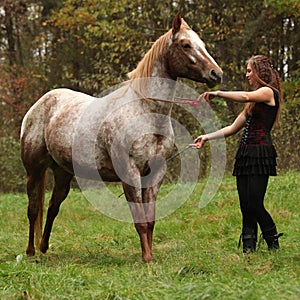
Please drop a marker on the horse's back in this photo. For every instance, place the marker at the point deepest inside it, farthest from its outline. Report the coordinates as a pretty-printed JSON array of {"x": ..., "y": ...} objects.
[{"x": 51, "y": 106}]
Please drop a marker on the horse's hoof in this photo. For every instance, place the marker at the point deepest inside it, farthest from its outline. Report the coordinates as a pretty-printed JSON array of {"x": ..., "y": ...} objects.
[
  {"x": 30, "y": 251},
  {"x": 147, "y": 259},
  {"x": 43, "y": 247}
]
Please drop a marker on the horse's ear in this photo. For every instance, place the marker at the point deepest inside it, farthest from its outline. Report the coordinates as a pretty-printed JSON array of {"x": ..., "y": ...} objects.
[{"x": 176, "y": 23}]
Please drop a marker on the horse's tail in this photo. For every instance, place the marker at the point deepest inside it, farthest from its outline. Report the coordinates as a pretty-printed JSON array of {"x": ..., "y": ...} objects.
[{"x": 38, "y": 225}]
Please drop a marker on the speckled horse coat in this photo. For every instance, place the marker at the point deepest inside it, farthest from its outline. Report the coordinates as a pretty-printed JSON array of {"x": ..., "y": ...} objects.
[{"x": 63, "y": 116}]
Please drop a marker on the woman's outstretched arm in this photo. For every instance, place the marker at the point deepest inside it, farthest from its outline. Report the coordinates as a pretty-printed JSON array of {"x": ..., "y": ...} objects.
[{"x": 263, "y": 94}]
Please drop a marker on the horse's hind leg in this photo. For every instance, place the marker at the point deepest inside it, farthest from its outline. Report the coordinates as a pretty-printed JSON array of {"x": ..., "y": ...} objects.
[
  {"x": 61, "y": 189},
  {"x": 35, "y": 192}
]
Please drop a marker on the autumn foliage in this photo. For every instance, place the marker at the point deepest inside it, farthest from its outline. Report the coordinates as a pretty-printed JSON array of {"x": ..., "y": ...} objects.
[{"x": 91, "y": 45}]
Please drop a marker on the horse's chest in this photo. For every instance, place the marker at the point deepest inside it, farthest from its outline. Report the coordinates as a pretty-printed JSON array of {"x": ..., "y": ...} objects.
[{"x": 149, "y": 148}]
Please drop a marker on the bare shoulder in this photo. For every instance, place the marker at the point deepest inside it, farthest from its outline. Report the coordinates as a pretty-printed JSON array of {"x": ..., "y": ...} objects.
[
  {"x": 270, "y": 95},
  {"x": 264, "y": 94},
  {"x": 266, "y": 90}
]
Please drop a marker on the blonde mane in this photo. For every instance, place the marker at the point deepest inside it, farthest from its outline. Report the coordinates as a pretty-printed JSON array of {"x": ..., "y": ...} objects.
[{"x": 157, "y": 52}]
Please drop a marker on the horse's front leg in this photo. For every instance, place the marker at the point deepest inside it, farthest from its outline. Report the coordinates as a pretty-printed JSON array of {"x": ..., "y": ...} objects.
[
  {"x": 149, "y": 202},
  {"x": 137, "y": 208}
]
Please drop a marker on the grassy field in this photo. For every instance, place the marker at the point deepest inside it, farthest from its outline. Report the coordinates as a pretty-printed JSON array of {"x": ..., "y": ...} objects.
[{"x": 196, "y": 257}]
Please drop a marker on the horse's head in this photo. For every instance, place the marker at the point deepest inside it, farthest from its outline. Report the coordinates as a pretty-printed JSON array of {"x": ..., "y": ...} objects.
[{"x": 187, "y": 56}]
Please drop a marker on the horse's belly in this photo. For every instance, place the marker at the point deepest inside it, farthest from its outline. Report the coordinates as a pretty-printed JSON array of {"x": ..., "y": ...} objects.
[{"x": 95, "y": 173}]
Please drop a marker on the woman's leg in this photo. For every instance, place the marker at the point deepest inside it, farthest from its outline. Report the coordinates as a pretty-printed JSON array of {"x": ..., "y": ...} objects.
[
  {"x": 253, "y": 209},
  {"x": 265, "y": 220},
  {"x": 249, "y": 221}
]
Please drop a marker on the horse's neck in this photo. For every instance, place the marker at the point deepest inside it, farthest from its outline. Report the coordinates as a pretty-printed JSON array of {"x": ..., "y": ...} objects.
[
  {"x": 160, "y": 69},
  {"x": 159, "y": 88},
  {"x": 160, "y": 84}
]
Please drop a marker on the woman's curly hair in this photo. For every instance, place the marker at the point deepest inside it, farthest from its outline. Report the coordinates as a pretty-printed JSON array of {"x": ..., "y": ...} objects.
[{"x": 265, "y": 75}]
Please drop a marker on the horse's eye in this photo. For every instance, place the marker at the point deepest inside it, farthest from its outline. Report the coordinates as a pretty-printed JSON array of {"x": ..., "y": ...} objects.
[{"x": 186, "y": 46}]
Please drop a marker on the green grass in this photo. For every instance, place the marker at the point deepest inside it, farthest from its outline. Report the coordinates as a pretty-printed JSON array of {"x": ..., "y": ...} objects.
[{"x": 195, "y": 251}]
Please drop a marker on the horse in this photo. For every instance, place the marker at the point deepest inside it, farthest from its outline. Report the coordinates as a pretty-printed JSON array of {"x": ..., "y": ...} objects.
[{"x": 62, "y": 115}]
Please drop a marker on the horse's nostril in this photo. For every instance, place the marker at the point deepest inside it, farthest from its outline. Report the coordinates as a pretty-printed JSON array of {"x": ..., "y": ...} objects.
[{"x": 214, "y": 75}]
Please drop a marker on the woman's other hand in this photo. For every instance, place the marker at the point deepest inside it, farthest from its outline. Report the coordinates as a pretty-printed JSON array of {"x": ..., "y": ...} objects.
[{"x": 199, "y": 141}]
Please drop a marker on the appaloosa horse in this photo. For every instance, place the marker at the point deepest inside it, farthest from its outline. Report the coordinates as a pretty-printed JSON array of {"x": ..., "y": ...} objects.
[{"x": 63, "y": 116}]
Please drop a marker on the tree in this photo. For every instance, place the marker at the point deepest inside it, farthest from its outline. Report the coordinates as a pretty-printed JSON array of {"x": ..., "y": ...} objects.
[
  {"x": 90, "y": 45},
  {"x": 18, "y": 81}
]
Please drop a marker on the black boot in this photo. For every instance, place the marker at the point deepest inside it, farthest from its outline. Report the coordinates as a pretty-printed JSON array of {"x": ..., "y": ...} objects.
[
  {"x": 271, "y": 237},
  {"x": 249, "y": 239}
]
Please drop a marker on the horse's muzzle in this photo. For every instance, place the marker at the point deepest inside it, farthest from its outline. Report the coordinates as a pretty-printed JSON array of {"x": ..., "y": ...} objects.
[{"x": 215, "y": 77}]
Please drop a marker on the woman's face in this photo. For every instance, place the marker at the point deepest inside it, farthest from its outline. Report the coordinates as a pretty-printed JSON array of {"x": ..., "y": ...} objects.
[{"x": 250, "y": 75}]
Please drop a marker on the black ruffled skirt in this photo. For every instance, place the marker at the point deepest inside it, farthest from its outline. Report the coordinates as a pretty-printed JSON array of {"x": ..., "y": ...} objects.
[{"x": 255, "y": 160}]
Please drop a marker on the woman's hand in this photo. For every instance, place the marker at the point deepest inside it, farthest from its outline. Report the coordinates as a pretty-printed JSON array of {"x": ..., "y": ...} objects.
[
  {"x": 209, "y": 95},
  {"x": 199, "y": 141}
]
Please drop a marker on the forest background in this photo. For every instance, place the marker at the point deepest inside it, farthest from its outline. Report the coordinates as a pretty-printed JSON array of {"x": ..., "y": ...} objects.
[{"x": 90, "y": 45}]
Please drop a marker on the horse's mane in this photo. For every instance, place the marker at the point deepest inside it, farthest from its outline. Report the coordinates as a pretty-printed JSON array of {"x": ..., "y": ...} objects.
[
  {"x": 156, "y": 52},
  {"x": 145, "y": 66}
]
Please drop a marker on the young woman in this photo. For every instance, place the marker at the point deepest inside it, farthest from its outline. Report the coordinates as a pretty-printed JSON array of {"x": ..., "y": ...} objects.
[{"x": 256, "y": 155}]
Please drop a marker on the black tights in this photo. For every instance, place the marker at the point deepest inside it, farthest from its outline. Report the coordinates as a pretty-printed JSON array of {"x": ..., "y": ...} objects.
[{"x": 252, "y": 189}]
